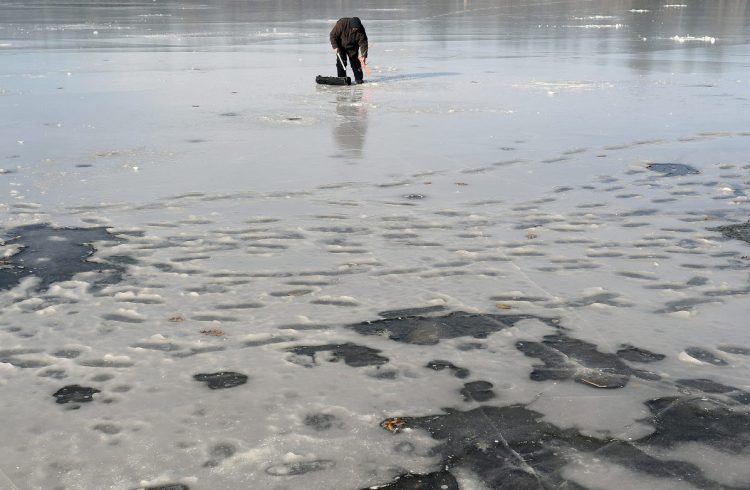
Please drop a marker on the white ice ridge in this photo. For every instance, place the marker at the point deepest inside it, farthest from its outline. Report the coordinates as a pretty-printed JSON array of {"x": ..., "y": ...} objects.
[
  {"x": 639, "y": 11},
  {"x": 683, "y": 39},
  {"x": 595, "y": 17},
  {"x": 675, "y": 6}
]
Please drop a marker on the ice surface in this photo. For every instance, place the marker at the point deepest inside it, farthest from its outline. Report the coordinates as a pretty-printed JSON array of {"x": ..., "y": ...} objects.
[{"x": 517, "y": 257}]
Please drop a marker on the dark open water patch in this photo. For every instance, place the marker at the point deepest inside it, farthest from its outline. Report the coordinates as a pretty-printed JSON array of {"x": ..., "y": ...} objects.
[
  {"x": 353, "y": 355},
  {"x": 512, "y": 447},
  {"x": 56, "y": 254},
  {"x": 569, "y": 358},
  {"x": 429, "y": 330}
]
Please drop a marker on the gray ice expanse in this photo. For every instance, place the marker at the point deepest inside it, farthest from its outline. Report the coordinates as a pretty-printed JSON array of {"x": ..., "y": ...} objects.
[{"x": 561, "y": 169}]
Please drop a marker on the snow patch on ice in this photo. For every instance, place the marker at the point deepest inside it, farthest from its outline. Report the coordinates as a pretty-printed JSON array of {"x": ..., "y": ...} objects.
[
  {"x": 685, "y": 357},
  {"x": 601, "y": 26},
  {"x": 688, "y": 38}
]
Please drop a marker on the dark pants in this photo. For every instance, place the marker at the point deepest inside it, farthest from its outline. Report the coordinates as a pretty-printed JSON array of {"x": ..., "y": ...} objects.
[{"x": 354, "y": 60}]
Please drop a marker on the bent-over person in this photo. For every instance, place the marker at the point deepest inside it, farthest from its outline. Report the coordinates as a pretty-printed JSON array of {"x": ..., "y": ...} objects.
[{"x": 349, "y": 40}]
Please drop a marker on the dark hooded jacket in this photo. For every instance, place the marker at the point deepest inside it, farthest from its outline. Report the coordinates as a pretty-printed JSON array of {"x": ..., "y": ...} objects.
[{"x": 343, "y": 37}]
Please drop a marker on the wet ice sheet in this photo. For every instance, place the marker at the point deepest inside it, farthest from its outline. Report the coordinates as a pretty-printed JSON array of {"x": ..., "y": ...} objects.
[{"x": 487, "y": 233}]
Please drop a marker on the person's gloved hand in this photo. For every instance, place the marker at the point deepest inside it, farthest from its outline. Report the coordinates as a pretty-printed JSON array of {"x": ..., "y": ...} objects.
[{"x": 335, "y": 50}]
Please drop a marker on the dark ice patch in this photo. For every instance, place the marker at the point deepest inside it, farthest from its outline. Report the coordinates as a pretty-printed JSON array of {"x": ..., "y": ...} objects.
[
  {"x": 353, "y": 355},
  {"x": 636, "y": 354},
  {"x": 568, "y": 358},
  {"x": 55, "y": 254},
  {"x": 224, "y": 379},
  {"x": 322, "y": 421},
  {"x": 168, "y": 486},
  {"x": 439, "y": 365},
  {"x": 512, "y": 447},
  {"x": 672, "y": 169},
  {"x": 300, "y": 468},
  {"x": 109, "y": 429},
  {"x": 75, "y": 393},
  {"x": 433, "y": 481},
  {"x": 429, "y": 330},
  {"x": 478, "y": 391},
  {"x": 738, "y": 231},
  {"x": 218, "y": 453},
  {"x": 685, "y": 304},
  {"x": 53, "y": 373},
  {"x": 713, "y": 387},
  {"x": 705, "y": 355},
  {"x": 735, "y": 349},
  {"x": 704, "y": 420},
  {"x": 67, "y": 353},
  {"x": 411, "y": 311},
  {"x": 697, "y": 281}
]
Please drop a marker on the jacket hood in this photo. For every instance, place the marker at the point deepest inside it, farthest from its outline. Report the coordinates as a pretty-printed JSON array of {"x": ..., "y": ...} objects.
[{"x": 356, "y": 23}]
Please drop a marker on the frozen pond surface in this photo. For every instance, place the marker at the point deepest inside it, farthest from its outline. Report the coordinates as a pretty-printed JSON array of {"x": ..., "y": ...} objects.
[{"x": 516, "y": 258}]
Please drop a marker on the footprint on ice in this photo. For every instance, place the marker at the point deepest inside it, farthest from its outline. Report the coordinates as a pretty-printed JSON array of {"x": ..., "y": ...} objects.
[{"x": 224, "y": 379}]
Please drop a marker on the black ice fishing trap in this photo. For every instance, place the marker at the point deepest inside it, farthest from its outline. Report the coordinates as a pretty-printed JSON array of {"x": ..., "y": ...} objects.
[{"x": 334, "y": 80}]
